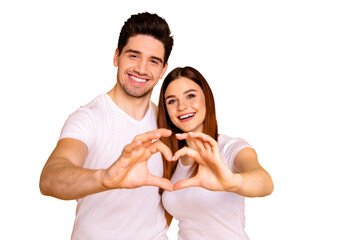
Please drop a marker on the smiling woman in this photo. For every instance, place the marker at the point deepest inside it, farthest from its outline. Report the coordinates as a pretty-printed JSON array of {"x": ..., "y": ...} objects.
[
  {"x": 186, "y": 104},
  {"x": 212, "y": 173},
  {"x": 209, "y": 123}
]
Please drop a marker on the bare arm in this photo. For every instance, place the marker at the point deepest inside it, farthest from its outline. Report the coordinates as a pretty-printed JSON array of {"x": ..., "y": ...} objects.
[
  {"x": 213, "y": 174},
  {"x": 252, "y": 180},
  {"x": 63, "y": 176}
]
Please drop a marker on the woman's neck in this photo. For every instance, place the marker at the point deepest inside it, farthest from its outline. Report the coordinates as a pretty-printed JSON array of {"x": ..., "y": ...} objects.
[{"x": 185, "y": 160}]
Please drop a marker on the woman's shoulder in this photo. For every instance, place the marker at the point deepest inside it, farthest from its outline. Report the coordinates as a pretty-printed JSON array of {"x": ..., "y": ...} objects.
[
  {"x": 232, "y": 143},
  {"x": 229, "y": 147}
]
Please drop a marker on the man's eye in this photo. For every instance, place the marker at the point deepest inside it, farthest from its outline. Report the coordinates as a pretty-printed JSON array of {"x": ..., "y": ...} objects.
[{"x": 155, "y": 62}]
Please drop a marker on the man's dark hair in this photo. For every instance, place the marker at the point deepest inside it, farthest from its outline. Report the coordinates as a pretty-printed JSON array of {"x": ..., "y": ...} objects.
[{"x": 147, "y": 24}]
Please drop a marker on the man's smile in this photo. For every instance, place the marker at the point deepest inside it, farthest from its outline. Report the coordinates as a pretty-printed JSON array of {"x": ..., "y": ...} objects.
[{"x": 137, "y": 80}]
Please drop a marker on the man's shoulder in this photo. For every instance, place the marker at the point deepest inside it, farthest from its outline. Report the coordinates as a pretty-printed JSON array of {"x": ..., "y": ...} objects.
[
  {"x": 89, "y": 110},
  {"x": 99, "y": 100}
]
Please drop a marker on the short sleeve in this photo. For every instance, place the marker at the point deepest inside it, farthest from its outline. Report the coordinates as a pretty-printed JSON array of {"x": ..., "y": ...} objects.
[
  {"x": 80, "y": 126},
  {"x": 229, "y": 147}
]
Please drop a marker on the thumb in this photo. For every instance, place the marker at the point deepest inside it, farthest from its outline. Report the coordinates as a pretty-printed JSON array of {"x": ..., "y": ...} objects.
[
  {"x": 190, "y": 182},
  {"x": 159, "y": 182}
]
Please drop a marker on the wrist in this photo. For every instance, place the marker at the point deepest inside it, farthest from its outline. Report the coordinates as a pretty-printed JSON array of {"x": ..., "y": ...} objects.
[{"x": 105, "y": 179}]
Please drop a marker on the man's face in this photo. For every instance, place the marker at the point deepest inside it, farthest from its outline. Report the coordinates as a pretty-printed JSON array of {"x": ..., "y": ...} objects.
[{"x": 140, "y": 65}]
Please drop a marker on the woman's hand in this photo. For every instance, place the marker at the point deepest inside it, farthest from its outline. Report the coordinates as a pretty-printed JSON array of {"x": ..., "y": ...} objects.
[{"x": 213, "y": 173}]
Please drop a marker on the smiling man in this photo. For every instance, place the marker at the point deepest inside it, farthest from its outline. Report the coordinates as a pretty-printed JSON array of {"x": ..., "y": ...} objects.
[{"x": 108, "y": 155}]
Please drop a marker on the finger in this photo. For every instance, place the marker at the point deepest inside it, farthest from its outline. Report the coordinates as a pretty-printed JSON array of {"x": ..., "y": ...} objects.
[
  {"x": 209, "y": 142},
  {"x": 159, "y": 146},
  {"x": 190, "y": 182},
  {"x": 199, "y": 135},
  {"x": 153, "y": 135},
  {"x": 132, "y": 146},
  {"x": 160, "y": 182},
  {"x": 182, "y": 136},
  {"x": 197, "y": 139},
  {"x": 185, "y": 151}
]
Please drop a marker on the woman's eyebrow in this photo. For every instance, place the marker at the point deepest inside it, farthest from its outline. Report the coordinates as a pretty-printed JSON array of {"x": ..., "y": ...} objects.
[
  {"x": 190, "y": 90},
  {"x": 170, "y": 96},
  {"x": 187, "y": 91}
]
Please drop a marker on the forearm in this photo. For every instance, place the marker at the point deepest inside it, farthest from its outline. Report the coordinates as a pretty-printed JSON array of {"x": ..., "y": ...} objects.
[
  {"x": 253, "y": 183},
  {"x": 62, "y": 179}
]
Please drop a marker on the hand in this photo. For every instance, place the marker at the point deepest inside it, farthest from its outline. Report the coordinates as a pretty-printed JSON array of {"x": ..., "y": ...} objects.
[
  {"x": 213, "y": 173},
  {"x": 130, "y": 169}
]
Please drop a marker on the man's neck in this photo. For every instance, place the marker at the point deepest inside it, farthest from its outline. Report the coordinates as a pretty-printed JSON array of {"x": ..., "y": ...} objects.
[{"x": 134, "y": 107}]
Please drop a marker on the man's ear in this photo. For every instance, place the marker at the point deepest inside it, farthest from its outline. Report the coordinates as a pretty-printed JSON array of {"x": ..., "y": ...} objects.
[{"x": 116, "y": 58}]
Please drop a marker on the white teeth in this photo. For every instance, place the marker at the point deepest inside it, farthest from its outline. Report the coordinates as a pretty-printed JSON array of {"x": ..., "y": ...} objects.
[
  {"x": 186, "y": 116},
  {"x": 139, "y": 80}
]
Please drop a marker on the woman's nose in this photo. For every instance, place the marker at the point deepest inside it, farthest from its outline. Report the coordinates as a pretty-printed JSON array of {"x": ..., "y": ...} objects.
[{"x": 183, "y": 104}]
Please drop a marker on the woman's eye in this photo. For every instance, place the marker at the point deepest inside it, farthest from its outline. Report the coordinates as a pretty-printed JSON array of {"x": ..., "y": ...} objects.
[
  {"x": 191, "y": 96},
  {"x": 171, "y": 101}
]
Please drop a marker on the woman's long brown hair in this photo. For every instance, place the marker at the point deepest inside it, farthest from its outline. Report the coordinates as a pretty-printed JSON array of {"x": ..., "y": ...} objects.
[{"x": 210, "y": 124}]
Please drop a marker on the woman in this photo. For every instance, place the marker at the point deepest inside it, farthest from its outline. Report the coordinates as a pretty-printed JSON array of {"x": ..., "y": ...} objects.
[{"x": 212, "y": 173}]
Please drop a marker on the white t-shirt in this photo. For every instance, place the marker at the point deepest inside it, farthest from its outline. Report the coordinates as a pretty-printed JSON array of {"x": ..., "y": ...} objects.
[
  {"x": 204, "y": 214},
  {"x": 123, "y": 213}
]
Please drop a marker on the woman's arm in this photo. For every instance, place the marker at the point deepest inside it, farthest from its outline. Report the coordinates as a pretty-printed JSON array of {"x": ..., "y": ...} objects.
[{"x": 252, "y": 180}]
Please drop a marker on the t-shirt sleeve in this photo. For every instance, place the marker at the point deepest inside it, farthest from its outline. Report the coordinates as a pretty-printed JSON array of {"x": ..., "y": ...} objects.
[
  {"x": 229, "y": 147},
  {"x": 80, "y": 126}
]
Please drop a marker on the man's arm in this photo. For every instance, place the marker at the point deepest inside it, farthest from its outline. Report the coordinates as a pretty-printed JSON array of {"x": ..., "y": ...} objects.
[{"x": 63, "y": 176}]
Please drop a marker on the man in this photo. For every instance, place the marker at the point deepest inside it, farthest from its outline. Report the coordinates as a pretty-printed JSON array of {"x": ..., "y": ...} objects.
[{"x": 116, "y": 183}]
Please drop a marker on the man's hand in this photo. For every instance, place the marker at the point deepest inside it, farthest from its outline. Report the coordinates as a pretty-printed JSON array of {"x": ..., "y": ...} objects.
[{"x": 131, "y": 171}]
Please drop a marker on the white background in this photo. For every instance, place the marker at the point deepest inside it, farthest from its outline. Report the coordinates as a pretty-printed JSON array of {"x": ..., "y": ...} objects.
[{"x": 285, "y": 76}]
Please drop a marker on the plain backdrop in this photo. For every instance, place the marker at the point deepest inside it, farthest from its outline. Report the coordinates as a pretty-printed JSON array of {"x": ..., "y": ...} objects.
[{"x": 285, "y": 75}]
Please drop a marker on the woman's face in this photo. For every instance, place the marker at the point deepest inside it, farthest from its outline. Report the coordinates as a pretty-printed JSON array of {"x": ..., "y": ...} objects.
[{"x": 185, "y": 104}]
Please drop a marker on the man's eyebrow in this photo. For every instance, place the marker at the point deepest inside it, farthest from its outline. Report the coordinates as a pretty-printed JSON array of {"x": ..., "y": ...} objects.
[
  {"x": 132, "y": 51},
  {"x": 187, "y": 91},
  {"x": 138, "y": 52},
  {"x": 156, "y": 58}
]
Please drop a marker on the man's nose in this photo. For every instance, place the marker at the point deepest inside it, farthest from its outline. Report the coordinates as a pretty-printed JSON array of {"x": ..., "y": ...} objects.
[{"x": 141, "y": 67}]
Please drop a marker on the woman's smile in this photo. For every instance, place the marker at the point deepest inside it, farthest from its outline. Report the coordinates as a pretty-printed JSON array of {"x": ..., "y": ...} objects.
[
  {"x": 185, "y": 103},
  {"x": 186, "y": 117}
]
